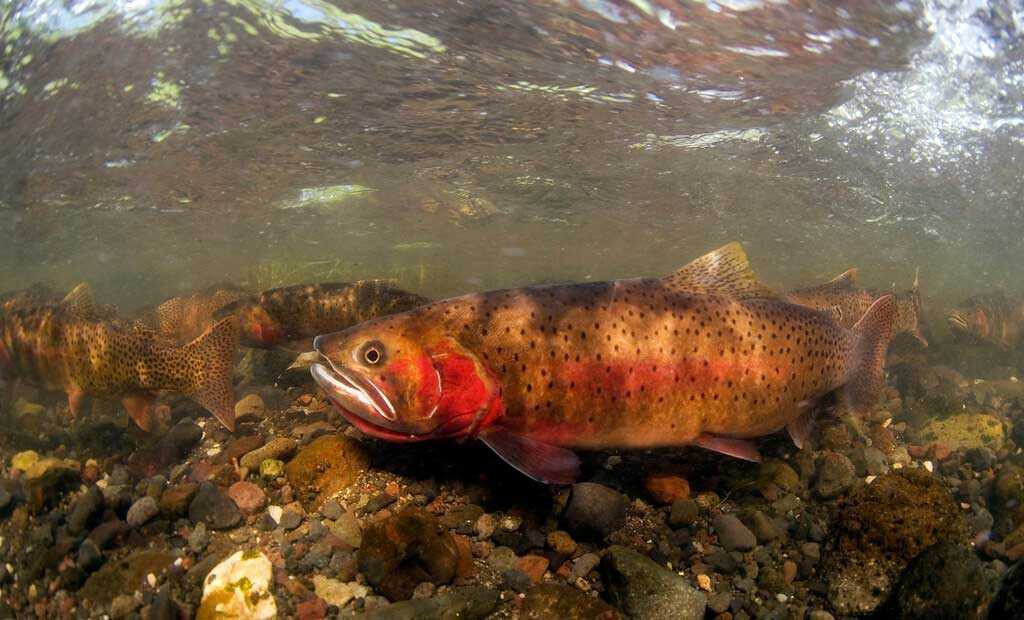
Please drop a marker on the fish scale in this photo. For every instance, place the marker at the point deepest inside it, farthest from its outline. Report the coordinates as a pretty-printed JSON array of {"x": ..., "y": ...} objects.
[{"x": 705, "y": 356}]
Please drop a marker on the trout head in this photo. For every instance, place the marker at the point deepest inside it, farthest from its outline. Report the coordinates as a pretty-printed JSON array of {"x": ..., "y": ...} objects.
[
  {"x": 971, "y": 320},
  {"x": 394, "y": 382}
]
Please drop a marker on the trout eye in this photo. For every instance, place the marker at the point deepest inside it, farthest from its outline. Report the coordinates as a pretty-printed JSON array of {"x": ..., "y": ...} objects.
[{"x": 372, "y": 353}]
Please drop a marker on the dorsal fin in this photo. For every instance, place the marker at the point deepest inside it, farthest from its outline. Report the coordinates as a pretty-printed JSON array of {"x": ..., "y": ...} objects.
[
  {"x": 847, "y": 279},
  {"x": 80, "y": 302},
  {"x": 724, "y": 271}
]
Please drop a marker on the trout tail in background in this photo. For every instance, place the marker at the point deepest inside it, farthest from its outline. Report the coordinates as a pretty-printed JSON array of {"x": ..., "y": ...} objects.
[
  {"x": 865, "y": 377},
  {"x": 211, "y": 359},
  {"x": 915, "y": 307}
]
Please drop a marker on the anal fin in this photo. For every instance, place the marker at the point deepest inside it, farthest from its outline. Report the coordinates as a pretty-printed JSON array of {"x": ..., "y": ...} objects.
[
  {"x": 541, "y": 461},
  {"x": 739, "y": 448},
  {"x": 139, "y": 406}
]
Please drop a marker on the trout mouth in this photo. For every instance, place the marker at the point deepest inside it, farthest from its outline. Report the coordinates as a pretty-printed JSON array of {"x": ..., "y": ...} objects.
[
  {"x": 957, "y": 322},
  {"x": 362, "y": 403}
]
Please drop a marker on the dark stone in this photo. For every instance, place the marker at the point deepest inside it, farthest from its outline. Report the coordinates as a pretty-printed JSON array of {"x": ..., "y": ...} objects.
[
  {"x": 835, "y": 475},
  {"x": 764, "y": 528},
  {"x": 212, "y": 507},
  {"x": 124, "y": 576},
  {"x": 594, "y": 511},
  {"x": 517, "y": 541},
  {"x": 163, "y": 607},
  {"x": 89, "y": 555},
  {"x": 552, "y": 600},
  {"x": 86, "y": 511},
  {"x": 109, "y": 534},
  {"x": 516, "y": 580},
  {"x": 945, "y": 582},
  {"x": 332, "y": 510},
  {"x": 1009, "y": 598},
  {"x": 404, "y": 550},
  {"x": 469, "y": 603},
  {"x": 46, "y": 491},
  {"x": 723, "y": 562},
  {"x": 173, "y": 447},
  {"x": 643, "y": 589},
  {"x": 378, "y": 502},
  {"x": 462, "y": 519},
  {"x": 290, "y": 519},
  {"x": 720, "y": 602},
  {"x": 733, "y": 535},
  {"x": 684, "y": 513}
]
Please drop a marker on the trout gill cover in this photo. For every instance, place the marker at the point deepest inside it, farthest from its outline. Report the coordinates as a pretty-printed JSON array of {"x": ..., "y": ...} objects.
[{"x": 705, "y": 356}]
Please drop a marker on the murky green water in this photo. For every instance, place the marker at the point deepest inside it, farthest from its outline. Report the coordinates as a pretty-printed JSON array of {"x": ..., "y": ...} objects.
[{"x": 159, "y": 146}]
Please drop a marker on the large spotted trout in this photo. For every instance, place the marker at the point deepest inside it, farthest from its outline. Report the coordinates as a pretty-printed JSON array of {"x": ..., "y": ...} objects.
[
  {"x": 847, "y": 302},
  {"x": 704, "y": 356},
  {"x": 66, "y": 347}
]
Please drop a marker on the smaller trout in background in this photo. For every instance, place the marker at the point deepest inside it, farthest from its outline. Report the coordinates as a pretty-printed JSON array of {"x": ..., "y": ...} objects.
[
  {"x": 847, "y": 303},
  {"x": 990, "y": 318},
  {"x": 298, "y": 313},
  {"x": 181, "y": 319},
  {"x": 60, "y": 347}
]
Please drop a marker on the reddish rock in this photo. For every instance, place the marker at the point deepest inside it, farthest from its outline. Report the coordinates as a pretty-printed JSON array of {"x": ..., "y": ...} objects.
[
  {"x": 392, "y": 489},
  {"x": 465, "y": 567},
  {"x": 305, "y": 400},
  {"x": 533, "y": 566},
  {"x": 237, "y": 448},
  {"x": 1015, "y": 552},
  {"x": 916, "y": 451},
  {"x": 940, "y": 451},
  {"x": 90, "y": 474},
  {"x": 201, "y": 471},
  {"x": 249, "y": 497},
  {"x": 292, "y": 585},
  {"x": 667, "y": 489},
  {"x": 313, "y": 609}
]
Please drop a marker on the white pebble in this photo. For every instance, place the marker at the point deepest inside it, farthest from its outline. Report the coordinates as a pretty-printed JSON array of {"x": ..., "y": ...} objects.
[
  {"x": 928, "y": 465},
  {"x": 782, "y": 598},
  {"x": 965, "y": 506},
  {"x": 887, "y": 422},
  {"x": 275, "y": 513},
  {"x": 151, "y": 580},
  {"x": 897, "y": 465},
  {"x": 870, "y": 479}
]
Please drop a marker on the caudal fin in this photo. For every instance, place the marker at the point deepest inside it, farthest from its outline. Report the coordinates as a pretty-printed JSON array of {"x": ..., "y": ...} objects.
[
  {"x": 211, "y": 357},
  {"x": 871, "y": 336}
]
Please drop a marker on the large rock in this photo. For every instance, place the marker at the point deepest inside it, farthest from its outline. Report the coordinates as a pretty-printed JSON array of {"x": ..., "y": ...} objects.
[
  {"x": 834, "y": 476},
  {"x": 594, "y": 511},
  {"x": 212, "y": 507},
  {"x": 879, "y": 529},
  {"x": 404, "y": 550},
  {"x": 125, "y": 576},
  {"x": 553, "y": 600},
  {"x": 1009, "y": 598},
  {"x": 965, "y": 431},
  {"x": 945, "y": 582},
  {"x": 239, "y": 587},
  {"x": 327, "y": 465},
  {"x": 469, "y": 603},
  {"x": 644, "y": 589},
  {"x": 47, "y": 480}
]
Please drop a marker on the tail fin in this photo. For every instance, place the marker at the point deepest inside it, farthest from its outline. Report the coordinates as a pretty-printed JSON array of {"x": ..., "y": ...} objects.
[
  {"x": 212, "y": 358},
  {"x": 871, "y": 336}
]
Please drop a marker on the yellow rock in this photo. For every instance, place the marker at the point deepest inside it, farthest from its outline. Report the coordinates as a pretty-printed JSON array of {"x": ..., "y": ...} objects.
[
  {"x": 965, "y": 431},
  {"x": 40, "y": 467},
  {"x": 24, "y": 460},
  {"x": 329, "y": 464},
  {"x": 239, "y": 588},
  {"x": 24, "y": 408}
]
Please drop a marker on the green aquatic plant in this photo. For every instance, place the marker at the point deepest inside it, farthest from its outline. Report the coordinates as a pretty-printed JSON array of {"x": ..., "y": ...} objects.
[{"x": 330, "y": 195}]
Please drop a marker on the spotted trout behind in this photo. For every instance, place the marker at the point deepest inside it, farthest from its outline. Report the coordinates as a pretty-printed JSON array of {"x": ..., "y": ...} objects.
[
  {"x": 991, "y": 319},
  {"x": 183, "y": 318},
  {"x": 847, "y": 303},
  {"x": 296, "y": 313},
  {"x": 705, "y": 356},
  {"x": 56, "y": 347}
]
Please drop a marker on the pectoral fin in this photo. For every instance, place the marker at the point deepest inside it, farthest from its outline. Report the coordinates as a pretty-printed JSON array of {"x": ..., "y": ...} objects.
[
  {"x": 541, "y": 461},
  {"x": 801, "y": 427},
  {"x": 739, "y": 448}
]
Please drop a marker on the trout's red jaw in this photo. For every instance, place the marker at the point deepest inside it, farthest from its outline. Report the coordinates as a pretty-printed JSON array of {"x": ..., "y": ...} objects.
[{"x": 369, "y": 410}]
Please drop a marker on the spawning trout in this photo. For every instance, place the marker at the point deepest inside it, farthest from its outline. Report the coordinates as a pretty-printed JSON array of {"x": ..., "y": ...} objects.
[
  {"x": 847, "y": 303},
  {"x": 183, "y": 318},
  {"x": 58, "y": 348},
  {"x": 295, "y": 313},
  {"x": 991, "y": 319},
  {"x": 704, "y": 356}
]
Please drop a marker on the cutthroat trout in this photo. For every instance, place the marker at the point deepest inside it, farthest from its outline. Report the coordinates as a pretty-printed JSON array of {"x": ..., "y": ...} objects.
[
  {"x": 181, "y": 319},
  {"x": 60, "y": 349},
  {"x": 705, "y": 356},
  {"x": 991, "y": 319},
  {"x": 296, "y": 313},
  {"x": 847, "y": 303}
]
